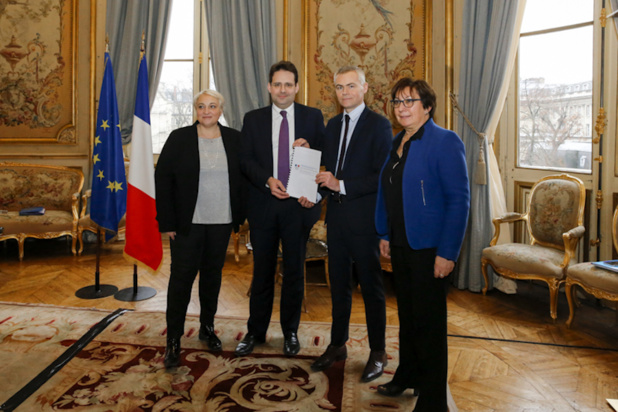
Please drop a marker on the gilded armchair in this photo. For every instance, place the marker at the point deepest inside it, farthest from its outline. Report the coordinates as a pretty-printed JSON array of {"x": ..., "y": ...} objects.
[
  {"x": 554, "y": 223},
  {"x": 601, "y": 283}
]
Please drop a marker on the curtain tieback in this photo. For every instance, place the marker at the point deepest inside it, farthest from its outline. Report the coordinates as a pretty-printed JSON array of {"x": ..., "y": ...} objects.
[{"x": 480, "y": 173}]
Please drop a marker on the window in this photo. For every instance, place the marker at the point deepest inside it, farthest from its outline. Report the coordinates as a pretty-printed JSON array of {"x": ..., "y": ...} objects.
[
  {"x": 183, "y": 73},
  {"x": 555, "y": 85}
]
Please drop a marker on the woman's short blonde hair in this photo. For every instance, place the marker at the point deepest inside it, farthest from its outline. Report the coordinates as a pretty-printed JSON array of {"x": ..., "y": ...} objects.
[{"x": 212, "y": 93}]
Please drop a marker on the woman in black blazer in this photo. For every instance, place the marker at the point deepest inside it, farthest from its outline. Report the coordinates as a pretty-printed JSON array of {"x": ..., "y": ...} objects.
[{"x": 199, "y": 201}]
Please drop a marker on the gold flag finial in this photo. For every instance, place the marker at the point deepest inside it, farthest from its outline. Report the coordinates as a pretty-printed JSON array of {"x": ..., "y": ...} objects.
[
  {"x": 142, "y": 49},
  {"x": 106, "y": 43}
]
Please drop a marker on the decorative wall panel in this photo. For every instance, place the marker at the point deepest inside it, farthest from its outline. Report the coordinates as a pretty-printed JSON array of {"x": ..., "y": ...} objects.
[{"x": 37, "y": 71}]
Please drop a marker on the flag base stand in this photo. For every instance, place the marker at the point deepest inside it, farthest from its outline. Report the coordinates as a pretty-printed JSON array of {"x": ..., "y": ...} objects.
[
  {"x": 136, "y": 292},
  {"x": 97, "y": 290}
]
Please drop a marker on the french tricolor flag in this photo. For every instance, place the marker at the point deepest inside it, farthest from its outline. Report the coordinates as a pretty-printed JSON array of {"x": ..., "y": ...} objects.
[{"x": 143, "y": 241}]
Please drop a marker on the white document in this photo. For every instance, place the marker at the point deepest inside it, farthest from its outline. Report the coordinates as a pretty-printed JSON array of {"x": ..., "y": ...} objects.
[
  {"x": 613, "y": 403},
  {"x": 304, "y": 166}
]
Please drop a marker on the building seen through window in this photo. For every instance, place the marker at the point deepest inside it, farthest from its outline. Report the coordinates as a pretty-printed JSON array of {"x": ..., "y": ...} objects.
[
  {"x": 555, "y": 85},
  {"x": 183, "y": 75}
]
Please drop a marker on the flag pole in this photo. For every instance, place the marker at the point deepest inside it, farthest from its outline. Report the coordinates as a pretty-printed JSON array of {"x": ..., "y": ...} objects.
[
  {"x": 97, "y": 290},
  {"x": 136, "y": 292}
]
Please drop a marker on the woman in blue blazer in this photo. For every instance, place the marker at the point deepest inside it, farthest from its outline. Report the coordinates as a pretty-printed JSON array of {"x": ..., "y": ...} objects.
[
  {"x": 421, "y": 217},
  {"x": 199, "y": 189}
]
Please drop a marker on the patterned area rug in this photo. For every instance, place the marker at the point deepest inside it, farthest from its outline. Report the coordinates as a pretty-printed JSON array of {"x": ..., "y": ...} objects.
[{"x": 122, "y": 368}]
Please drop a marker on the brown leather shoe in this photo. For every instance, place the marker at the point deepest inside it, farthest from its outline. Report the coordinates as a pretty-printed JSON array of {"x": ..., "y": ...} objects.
[
  {"x": 330, "y": 356},
  {"x": 375, "y": 365}
]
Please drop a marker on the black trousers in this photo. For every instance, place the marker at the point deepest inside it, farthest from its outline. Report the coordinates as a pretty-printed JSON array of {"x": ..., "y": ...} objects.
[
  {"x": 203, "y": 250},
  {"x": 284, "y": 225},
  {"x": 421, "y": 303},
  {"x": 344, "y": 250}
]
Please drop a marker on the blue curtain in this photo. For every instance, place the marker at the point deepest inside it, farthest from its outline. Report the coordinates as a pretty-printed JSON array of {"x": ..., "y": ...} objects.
[
  {"x": 488, "y": 33},
  {"x": 242, "y": 38},
  {"x": 126, "y": 20}
]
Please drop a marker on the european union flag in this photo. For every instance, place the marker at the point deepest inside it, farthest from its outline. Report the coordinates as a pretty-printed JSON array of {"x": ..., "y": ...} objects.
[{"x": 108, "y": 203}]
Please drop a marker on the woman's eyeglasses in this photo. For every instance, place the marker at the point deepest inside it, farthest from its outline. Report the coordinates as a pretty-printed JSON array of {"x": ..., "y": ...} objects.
[{"x": 406, "y": 102}]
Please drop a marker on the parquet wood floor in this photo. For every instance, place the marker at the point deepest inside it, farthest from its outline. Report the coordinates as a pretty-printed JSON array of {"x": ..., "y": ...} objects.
[{"x": 505, "y": 353}]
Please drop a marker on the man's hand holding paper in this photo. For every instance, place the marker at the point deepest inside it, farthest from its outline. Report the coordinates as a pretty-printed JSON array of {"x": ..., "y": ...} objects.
[{"x": 304, "y": 167}]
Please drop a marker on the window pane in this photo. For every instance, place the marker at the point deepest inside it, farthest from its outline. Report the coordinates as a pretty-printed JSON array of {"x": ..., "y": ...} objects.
[
  {"x": 173, "y": 106},
  {"x": 555, "y": 100},
  {"x": 180, "y": 34},
  {"x": 549, "y": 14}
]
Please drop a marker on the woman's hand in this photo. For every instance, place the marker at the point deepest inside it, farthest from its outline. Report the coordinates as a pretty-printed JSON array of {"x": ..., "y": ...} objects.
[
  {"x": 385, "y": 248},
  {"x": 172, "y": 235},
  {"x": 442, "y": 267}
]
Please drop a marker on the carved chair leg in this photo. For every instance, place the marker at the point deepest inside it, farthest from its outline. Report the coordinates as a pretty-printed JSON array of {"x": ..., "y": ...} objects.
[
  {"x": 569, "y": 291},
  {"x": 327, "y": 275},
  {"x": 236, "y": 238},
  {"x": 73, "y": 243},
  {"x": 553, "y": 299},
  {"x": 484, "y": 270},
  {"x": 80, "y": 238},
  {"x": 20, "y": 241}
]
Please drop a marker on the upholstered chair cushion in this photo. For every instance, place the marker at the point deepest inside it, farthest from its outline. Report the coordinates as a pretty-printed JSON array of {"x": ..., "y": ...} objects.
[
  {"x": 51, "y": 221},
  {"x": 554, "y": 210},
  {"x": 522, "y": 258},
  {"x": 592, "y": 276}
]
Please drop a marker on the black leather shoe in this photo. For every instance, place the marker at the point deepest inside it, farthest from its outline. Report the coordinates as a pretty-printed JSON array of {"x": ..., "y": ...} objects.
[
  {"x": 247, "y": 344},
  {"x": 172, "y": 353},
  {"x": 375, "y": 365},
  {"x": 291, "y": 345},
  {"x": 330, "y": 356},
  {"x": 393, "y": 389},
  {"x": 208, "y": 335}
]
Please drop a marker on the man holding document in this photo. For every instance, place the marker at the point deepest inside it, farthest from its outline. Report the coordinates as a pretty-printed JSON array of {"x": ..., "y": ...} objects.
[
  {"x": 355, "y": 147},
  {"x": 269, "y": 137}
]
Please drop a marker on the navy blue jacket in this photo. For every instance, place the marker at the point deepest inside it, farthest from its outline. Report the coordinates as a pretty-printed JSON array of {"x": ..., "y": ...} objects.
[
  {"x": 368, "y": 147},
  {"x": 257, "y": 157}
]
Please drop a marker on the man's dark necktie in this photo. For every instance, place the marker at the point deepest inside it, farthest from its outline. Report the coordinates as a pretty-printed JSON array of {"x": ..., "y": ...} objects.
[
  {"x": 283, "y": 158},
  {"x": 343, "y": 147}
]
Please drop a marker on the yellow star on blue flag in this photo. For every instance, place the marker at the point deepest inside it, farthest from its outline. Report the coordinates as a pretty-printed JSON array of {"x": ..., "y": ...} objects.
[{"x": 109, "y": 201}]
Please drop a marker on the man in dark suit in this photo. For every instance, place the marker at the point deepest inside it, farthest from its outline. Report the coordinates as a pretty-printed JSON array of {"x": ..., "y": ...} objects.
[
  {"x": 268, "y": 136},
  {"x": 355, "y": 147}
]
